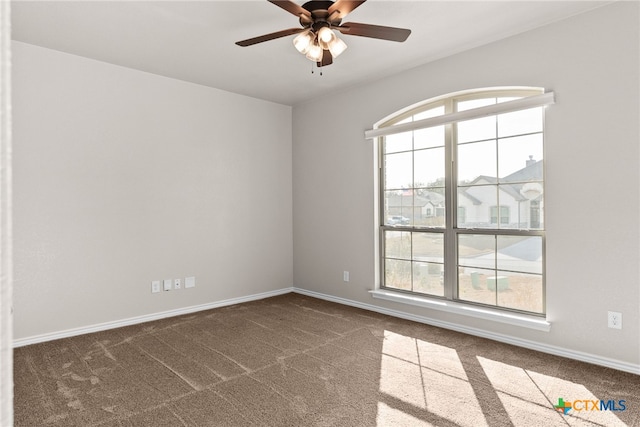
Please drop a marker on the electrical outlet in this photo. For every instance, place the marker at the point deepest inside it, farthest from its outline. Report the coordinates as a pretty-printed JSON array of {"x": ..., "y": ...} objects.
[
  {"x": 345, "y": 276},
  {"x": 177, "y": 284},
  {"x": 615, "y": 320},
  {"x": 166, "y": 284},
  {"x": 155, "y": 286}
]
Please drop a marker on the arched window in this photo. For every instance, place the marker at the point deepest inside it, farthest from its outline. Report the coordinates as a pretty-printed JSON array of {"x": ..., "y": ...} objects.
[{"x": 461, "y": 213}]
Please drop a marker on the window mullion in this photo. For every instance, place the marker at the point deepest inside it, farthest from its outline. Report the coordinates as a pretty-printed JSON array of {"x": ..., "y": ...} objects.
[{"x": 450, "y": 256}]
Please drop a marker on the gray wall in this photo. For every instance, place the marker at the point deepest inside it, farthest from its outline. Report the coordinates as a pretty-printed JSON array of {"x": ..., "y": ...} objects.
[
  {"x": 591, "y": 61},
  {"x": 123, "y": 177}
]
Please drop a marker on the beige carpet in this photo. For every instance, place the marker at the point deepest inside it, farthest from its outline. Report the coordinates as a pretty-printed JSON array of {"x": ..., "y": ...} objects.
[{"x": 298, "y": 361}]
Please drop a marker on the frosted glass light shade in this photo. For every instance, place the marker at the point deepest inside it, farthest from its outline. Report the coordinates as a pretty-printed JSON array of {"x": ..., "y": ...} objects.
[
  {"x": 337, "y": 47},
  {"x": 303, "y": 41},
  {"x": 325, "y": 37},
  {"x": 314, "y": 53}
]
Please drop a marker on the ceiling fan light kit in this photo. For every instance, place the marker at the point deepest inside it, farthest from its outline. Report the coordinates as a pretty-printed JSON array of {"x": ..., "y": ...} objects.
[
  {"x": 317, "y": 39},
  {"x": 315, "y": 53},
  {"x": 337, "y": 47},
  {"x": 314, "y": 44},
  {"x": 325, "y": 36},
  {"x": 303, "y": 41}
]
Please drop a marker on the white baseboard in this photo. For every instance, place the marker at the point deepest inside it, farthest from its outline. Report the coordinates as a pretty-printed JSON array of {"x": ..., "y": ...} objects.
[
  {"x": 145, "y": 318},
  {"x": 532, "y": 345}
]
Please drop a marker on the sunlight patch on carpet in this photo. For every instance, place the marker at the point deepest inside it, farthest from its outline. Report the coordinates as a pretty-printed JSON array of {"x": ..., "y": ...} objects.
[
  {"x": 534, "y": 396},
  {"x": 428, "y": 377}
]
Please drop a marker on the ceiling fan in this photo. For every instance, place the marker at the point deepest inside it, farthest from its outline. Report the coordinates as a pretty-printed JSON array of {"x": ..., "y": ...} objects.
[{"x": 318, "y": 19}]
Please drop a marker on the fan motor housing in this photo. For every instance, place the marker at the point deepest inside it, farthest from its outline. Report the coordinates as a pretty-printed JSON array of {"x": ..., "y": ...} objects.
[
  {"x": 319, "y": 10},
  {"x": 317, "y": 5}
]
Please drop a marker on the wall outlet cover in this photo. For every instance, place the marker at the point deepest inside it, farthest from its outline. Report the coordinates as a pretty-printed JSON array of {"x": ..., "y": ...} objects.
[
  {"x": 614, "y": 320},
  {"x": 190, "y": 282},
  {"x": 166, "y": 284},
  {"x": 155, "y": 286},
  {"x": 177, "y": 284}
]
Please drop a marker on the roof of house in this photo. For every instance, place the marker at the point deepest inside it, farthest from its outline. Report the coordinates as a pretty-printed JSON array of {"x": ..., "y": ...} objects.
[
  {"x": 510, "y": 184},
  {"x": 425, "y": 197}
]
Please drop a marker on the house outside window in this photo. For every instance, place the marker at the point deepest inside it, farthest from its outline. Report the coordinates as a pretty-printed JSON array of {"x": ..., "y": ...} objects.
[
  {"x": 462, "y": 214},
  {"x": 473, "y": 231},
  {"x": 503, "y": 216}
]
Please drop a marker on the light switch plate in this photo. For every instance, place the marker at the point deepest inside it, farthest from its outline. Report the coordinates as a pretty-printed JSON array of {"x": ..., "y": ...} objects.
[{"x": 166, "y": 284}]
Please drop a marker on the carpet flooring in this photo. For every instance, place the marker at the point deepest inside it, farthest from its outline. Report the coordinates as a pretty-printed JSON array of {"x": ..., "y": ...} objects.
[{"x": 293, "y": 360}]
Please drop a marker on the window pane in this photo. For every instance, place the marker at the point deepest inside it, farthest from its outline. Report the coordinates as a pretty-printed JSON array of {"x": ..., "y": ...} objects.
[
  {"x": 397, "y": 274},
  {"x": 397, "y": 244},
  {"x": 520, "y": 158},
  {"x": 520, "y": 253},
  {"x": 398, "y": 142},
  {"x": 398, "y": 207},
  {"x": 472, "y": 285},
  {"x": 477, "y": 129},
  {"x": 524, "y": 215},
  {"x": 398, "y": 172},
  {"x": 430, "y": 207},
  {"x": 474, "y": 103},
  {"x": 429, "y": 167},
  {"x": 476, "y": 202},
  {"x": 462, "y": 215},
  {"x": 533, "y": 217},
  {"x": 477, "y": 250},
  {"x": 499, "y": 216},
  {"x": 520, "y": 291},
  {"x": 477, "y": 160},
  {"x": 429, "y": 137},
  {"x": 510, "y": 215},
  {"x": 520, "y": 122},
  {"x": 432, "y": 112},
  {"x": 428, "y": 278},
  {"x": 428, "y": 247}
]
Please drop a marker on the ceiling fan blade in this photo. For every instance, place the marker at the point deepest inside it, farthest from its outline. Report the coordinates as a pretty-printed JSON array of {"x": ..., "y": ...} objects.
[
  {"x": 327, "y": 59},
  {"x": 271, "y": 36},
  {"x": 291, "y": 7},
  {"x": 342, "y": 8},
  {"x": 374, "y": 31}
]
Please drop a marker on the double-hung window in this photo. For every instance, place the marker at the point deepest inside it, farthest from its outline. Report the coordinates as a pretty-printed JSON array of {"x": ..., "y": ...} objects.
[{"x": 462, "y": 200}]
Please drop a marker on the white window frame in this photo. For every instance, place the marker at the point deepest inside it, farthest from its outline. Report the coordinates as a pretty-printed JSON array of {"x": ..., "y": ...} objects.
[{"x": 389, "y": 126}]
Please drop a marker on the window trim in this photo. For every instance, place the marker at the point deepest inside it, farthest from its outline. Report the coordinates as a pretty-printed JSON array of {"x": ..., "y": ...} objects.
[
  {"x": 450, "y": 298},
  {"x": 388, "y": 127},
  {"x": 465, "y": 309}
]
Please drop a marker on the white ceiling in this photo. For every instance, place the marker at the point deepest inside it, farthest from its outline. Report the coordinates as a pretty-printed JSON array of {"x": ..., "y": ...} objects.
[{"x": 195, "y": 41}]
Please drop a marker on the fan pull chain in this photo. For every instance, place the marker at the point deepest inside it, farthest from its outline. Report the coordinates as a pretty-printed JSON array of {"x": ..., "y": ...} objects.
[{"x": 319, "y": 68}]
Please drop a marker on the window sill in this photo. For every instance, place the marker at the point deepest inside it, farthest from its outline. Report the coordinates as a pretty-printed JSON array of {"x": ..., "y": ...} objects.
[{"x": 515, "y": 319}]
